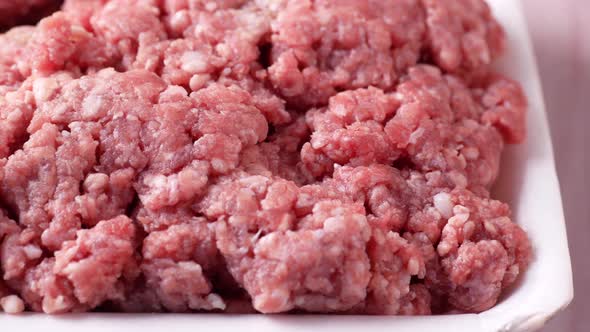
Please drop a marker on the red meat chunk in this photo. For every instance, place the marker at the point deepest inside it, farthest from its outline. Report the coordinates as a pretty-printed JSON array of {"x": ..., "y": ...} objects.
[{"x": 328, "y": 156}]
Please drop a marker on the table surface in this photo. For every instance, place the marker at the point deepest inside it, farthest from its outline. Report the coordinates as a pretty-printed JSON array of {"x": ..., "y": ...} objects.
[{"x": 559, "y": 30}]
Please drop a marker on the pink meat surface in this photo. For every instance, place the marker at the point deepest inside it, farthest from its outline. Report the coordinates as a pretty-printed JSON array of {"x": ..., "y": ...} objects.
[
  {"x": 322, "y": 47},
  {"x": 432, "y": 121},
  {"x": 239, "y": 156}
]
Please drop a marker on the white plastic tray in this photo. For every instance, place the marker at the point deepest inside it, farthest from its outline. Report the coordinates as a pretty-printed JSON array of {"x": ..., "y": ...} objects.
[{"x": 528, "y": 182}]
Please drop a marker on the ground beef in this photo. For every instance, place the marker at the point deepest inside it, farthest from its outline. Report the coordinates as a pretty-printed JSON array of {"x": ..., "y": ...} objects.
[
  {"x": 256, "y": 156},
  {"x": 84, "y": 272},
  {"x": 322, "y": 47},
  {"x": 261, "y": 225},
  {"x": 13, "y": 43},
  {"x": 176, "y": 262},
  {"x": 462, "y": 34},
  {"x": 432, "y": 121}
]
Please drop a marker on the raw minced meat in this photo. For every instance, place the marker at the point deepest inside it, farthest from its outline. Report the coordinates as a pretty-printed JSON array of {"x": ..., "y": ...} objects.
[
  {"x": 432, "y": 121},
  {"x": 322, "y": 47},
  {"x": 256, "y": 155},
  {"x": 13, "y": 43}
]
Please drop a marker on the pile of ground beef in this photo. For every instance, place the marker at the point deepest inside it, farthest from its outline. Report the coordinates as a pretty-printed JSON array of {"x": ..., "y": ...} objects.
[{"x": 327, "y": 156}]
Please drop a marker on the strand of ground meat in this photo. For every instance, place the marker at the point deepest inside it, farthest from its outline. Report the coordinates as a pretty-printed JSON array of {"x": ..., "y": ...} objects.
[{"x": 271, "y": 156}]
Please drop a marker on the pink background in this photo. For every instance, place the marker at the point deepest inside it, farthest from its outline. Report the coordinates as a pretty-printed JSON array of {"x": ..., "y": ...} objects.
[{"x": 560, "y": 30}]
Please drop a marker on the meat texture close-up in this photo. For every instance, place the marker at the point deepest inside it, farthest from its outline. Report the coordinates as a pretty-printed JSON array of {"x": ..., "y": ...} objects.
[{"x": 328, "y": 156}]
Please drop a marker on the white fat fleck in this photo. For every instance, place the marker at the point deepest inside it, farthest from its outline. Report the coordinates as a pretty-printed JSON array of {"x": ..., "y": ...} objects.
[
  {"x": 333, "y": 225},
  {"x": 339, "y": 110},
  {"x": 219, "y": 165},
  {"x": 462, "y": 161},
  {"x": 32, "y": 251},
  {"x": 470, "y": 153},
  {"x": 12, "y": 304},
  {"x": 11, "y": 96},
  {"x": 281, "y": 294},
  {"x": 155, "y": 181},
  {"x": 179, "y": 18},
  {"x": 278, "y": 299},
  {"x": 285, "y": 223},
  {"x": 513, "y": 270},
  {"x": 413, "y": 266},
  {"x": 216, "y": 301},
  {"x": 461, "y": 215},
  {"x": 174, "y": 91},
  {"x": 194, "y": 62},
  {"x": 459, "y": 179},
  {"x": 77, "y": 29},
  {"x": 484, "y": 55},
  {"x": 95, "y": 182},
  {"x": 249, "y": 18},
  {"x": 256, "y": 236},
  {"x": 335, "y": 251},
  {"x": 266, "y": 241},
  {"x": 490, "y": 228},
  {"x": 447, "y": 56},
  {"x": 271, "y": 5},
  {"x": 172, "y": 187},
  {"x": 91, "y": 105},
  {"x": 319, "y": 142},
  {"x": 199, "y": 29},
  {"x": 460, "y": 209},
  {"x": 211, "y": 6},
  {"x": 415, "y": 135},
  {"x": 198, "y": 81},
  {"x": 54, "y": 304},
  {"x": 190, "y": 266},
  {"x": 110, "y": 6},
  {"x": 444, "y": 205},
  {"x": 71, "y": 268},
  {"x": 443, "y": 248},
  {"x": 468, "y": 229},
  {"x": 256, "y": 183},
  {"x": 60, "y": 110},
  {"x": 29, "y": 97},
  {"x": 299, "y": 301},
  {"x": 43, "y": 89}
]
